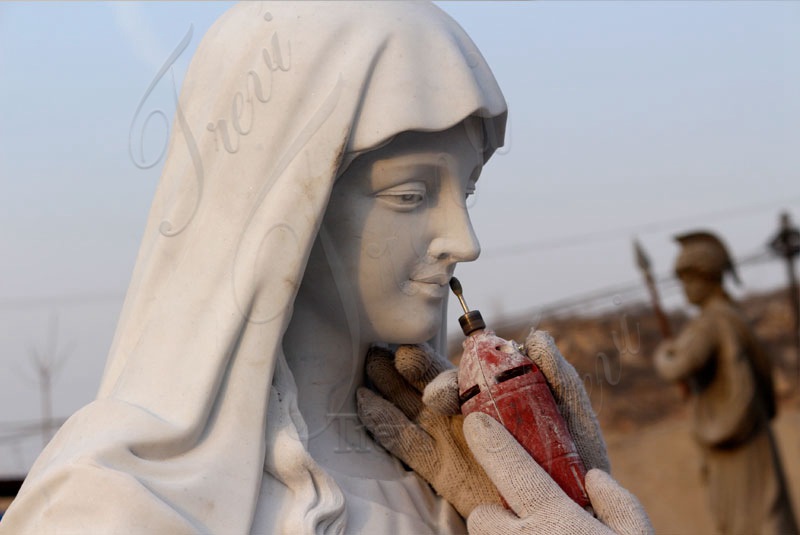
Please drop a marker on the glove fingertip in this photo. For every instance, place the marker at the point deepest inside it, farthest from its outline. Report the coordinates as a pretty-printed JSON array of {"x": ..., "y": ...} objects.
[
  {"x": 602, "y": 488},
  {"x": 363, "y": 397},
  {"x": 441, "y": 394},
  {"x": 366, "y": 403},
  {"x": 616, "y": 506},
  {"x": 379, "y": 351},
  {"x": 412, "y": 361},
  {"x": 379, "y": 367},
  {"x": 539, "y": 344},
  {"x": 597, "y": 477},
  {"x": 477, "y": 428}
]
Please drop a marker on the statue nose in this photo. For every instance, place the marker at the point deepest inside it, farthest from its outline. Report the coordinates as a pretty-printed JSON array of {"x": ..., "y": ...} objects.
[{"x": 455, "y": 239}]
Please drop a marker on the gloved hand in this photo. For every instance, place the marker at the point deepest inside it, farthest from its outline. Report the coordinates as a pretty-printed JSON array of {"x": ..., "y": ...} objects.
[
  {"x": 430, "y": 442},
  {"x": 538, "y": 503},
  {"x": 571, "y": 398},
  {"x": 441, "y": 394}
]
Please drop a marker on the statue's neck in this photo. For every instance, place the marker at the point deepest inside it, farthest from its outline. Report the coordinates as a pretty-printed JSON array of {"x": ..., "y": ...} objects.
[
  {"x": 717, "y": 294},
  {"x": 326, "y": 357}
]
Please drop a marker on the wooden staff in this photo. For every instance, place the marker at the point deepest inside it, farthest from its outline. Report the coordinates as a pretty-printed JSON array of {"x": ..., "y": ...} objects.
[
  {"x": 643, "y": 262},
  {"x": 644, "y": 265}
]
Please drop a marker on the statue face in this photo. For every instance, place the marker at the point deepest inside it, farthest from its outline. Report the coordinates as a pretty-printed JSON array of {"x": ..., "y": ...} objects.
[
  {"x": 697, "y": 286},
  {"x": 398, "y": 223}
]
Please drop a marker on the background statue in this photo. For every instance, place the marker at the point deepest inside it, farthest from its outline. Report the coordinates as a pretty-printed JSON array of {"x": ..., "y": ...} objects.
[
  {"x": 312, "y": 203},
  {"x": 730, "y": 380}
]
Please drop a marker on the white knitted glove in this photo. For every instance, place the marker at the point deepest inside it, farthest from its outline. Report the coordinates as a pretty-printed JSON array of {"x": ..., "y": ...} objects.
[
  {"x": 441, "y": 395},
  {"x": 538, "y": 503},
  {"x": 571, "y": 398},
  {"x": 431, "y": 443}
]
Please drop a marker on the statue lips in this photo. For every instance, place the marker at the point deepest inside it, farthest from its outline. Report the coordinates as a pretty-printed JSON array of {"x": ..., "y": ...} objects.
[{"x": 435, "y": 285}]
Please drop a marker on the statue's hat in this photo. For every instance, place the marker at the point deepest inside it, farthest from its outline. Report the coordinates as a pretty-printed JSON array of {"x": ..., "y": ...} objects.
[{"x": 704, "y": 252}]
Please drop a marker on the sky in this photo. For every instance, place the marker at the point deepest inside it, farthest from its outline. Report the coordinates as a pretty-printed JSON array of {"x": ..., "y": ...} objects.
[{"x": 627, "y": 119}]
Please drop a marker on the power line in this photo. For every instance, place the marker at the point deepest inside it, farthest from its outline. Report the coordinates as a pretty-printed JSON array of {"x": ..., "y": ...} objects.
[
  {"x": 507, "y": 250},
  {"x": 11, "y": 432},
  {"x": 55, "y": 300},
  {"x": 626, "y": 231},
  {"x": 626, "y": 292}
]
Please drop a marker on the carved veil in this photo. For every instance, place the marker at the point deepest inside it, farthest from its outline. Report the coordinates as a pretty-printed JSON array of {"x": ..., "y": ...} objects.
[{"x": 277, "y": 98}]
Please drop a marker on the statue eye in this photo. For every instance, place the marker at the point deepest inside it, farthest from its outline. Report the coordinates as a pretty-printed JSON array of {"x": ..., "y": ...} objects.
[
  {"x": 405, "y": 197},
  {"x": 412, "y": 197}
]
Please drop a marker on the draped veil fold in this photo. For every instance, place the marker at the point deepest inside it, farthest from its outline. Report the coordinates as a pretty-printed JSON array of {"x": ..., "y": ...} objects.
[{"x": 278, "y": 97}]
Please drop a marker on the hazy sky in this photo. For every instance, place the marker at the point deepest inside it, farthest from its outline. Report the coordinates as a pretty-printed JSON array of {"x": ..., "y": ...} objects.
[{"x": 646, "y": 118}]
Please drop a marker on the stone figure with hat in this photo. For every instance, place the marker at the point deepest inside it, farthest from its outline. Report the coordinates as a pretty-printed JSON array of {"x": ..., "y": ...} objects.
[{"x": 732, "y": 395}]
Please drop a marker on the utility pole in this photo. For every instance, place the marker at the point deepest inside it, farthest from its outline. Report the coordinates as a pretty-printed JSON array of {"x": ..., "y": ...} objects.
[{"x": 786, "y": 243}]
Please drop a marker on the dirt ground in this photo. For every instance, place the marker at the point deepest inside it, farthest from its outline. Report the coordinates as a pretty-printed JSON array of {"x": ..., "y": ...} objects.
[{"x": 660, "y": 465}]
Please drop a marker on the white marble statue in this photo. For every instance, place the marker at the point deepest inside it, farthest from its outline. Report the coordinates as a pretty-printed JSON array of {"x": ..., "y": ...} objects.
[{"x": 312, "y": 203}]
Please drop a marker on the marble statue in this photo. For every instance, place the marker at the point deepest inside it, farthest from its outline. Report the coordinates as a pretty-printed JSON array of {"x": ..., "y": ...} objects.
[
  {"x": 730, "y": 381},
  {"x": 312, "y": 203}
]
